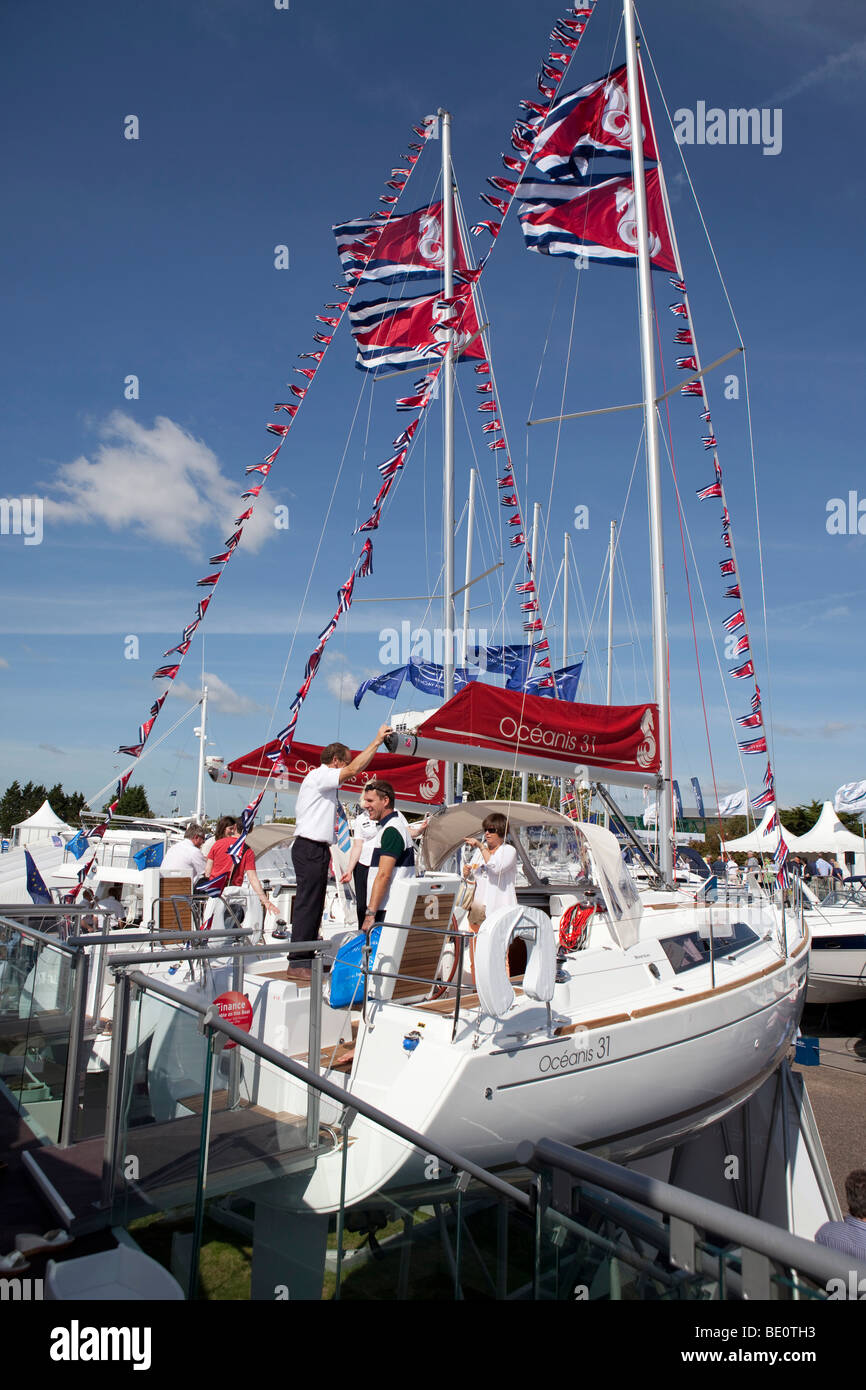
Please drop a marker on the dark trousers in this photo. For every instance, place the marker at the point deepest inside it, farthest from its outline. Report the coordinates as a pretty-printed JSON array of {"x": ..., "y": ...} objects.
[
  {"x": 359, "y": 879},
  {"x": 311, "y": 862}
]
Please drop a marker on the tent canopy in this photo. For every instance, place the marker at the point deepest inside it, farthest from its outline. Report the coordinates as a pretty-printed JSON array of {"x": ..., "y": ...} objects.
[
  {"x": 828, "y": 835},
  {"x": 40, "y": 826},
  {"x": 763, "y": 840}
]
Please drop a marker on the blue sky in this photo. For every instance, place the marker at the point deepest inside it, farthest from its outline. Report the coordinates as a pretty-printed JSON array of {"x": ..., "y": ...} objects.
[{"x": 155, "y": 257}]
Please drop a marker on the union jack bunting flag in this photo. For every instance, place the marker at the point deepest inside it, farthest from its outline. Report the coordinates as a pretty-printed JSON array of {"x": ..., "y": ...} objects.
[
  {"x": 709, "y": 441},
  {"x": 405, "y": 436},
  {"x": 209, "y": 579},
  {"x": 365, "y": 560},
  {"x": 714, "y": 490},
  {"x": 691, "y": 388},
  {"x": 278, "y": 429},
  {"x": 686, "y": 364},
  {"x": 497, "y": 444},
  {"x": 289, "y": 409},
  {"x": 756, "y": 698},
  {"x": 684, "y": 336},
  {"x": 510, "y": 501},
  {"x": 754, "y": 745},
  {"x": 182, "y": 647},
  {"x": 166, "y": 673},
  {"x": 487, "y": 405},
  {"x": 412, "y": 402},
  {"x": 527, "y": 588},
  {"x": 727, "y": 567},
  {"x": 704, "y": 415},
  {"x": 393, "y": 464},
  {"x": 679, "y": 311},
  {"x": 679, "y": 285},
  {"x": 543, "y": 645},
  {"x": 131, "y": 750},
  {"x": 763, "y": 800},
  {"x": 768, "y": 776},
  {"x": 741, "y": 646},
  {"x": 735, "y": 621},
  {"x": 492, "y": 227},
  {"x": 741, "y": 672},
  {"x": 212, "y": 887},
  {"x": 535, "y": 626},
  {"x": 733, "y": 592},
  {"x": 519, "y": 539}
]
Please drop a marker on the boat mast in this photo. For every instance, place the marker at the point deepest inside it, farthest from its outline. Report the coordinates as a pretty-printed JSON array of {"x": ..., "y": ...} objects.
[
  {"x": 470, "y": 526},
  {"x": 448, "y": 623},
  {"x": 611, "y": 553},
  {"x": 564, "y": 631},
  {"x": 536, "y": 531},
  {"x": 657, "y": 557},
  {"x": 201, "y": 735}
]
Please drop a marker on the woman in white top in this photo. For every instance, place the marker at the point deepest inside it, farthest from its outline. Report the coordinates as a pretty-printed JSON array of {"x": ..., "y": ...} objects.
[{"x": 495, "y": 869}]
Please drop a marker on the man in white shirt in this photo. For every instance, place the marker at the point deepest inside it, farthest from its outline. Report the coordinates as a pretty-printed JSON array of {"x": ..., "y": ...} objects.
[
  {"x": 315, "y": 819},
  {"x": 495, "y": 869},
  {"x": 185, "y": 858},
  {"x": 824, "y": 867}
]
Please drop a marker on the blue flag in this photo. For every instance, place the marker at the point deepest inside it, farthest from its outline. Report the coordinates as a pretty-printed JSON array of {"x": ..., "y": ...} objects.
[
  {"x": 512, "y": 661},
  {"x": 387, "y": 684},
  {"x": 35, "y": 882},
  {"x": 429, "y": 677},
  {"x": 150, "y": 857},
  {"x": 79, "y": 844},
  {"x": 698, "y": 798},
  {"x": 678, "y": 801},
  {"x": 566, "y": 679}
]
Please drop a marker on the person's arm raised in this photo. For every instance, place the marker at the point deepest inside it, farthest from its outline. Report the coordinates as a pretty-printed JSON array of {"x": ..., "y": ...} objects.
[{"x": 364, "y": 758}]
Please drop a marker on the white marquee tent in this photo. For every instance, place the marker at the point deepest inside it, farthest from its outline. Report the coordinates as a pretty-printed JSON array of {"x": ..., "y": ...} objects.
[
  {"x": 763, "y": 840},
  {"x": 828, "y": 835},
  {"x": 40, "y": 826}
]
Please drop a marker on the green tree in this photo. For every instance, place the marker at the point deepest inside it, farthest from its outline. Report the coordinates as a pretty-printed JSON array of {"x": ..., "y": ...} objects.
[
  {"x": 491, "y": 784},
  {"x": 133, "y": 802}
]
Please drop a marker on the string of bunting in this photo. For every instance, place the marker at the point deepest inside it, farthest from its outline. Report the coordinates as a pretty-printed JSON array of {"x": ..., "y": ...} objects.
[
  {"x": 755, "y": 744},
  {"x": 330, "y": 321}
]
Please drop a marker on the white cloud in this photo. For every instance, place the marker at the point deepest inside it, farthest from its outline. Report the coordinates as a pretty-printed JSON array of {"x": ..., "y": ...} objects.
[
  {"x": 158, "y": 482},
  {"x": 850, "y": 62},
  {"x": 4, "y": 664},
  {"x": 220, "y": 696},
  {"x": 52, "y": 748},
  {"x": 343, "y": 685}
]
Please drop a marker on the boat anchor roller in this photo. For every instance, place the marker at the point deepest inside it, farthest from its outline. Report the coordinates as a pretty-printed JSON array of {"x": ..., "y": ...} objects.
[{"x": 495, "y": 990}]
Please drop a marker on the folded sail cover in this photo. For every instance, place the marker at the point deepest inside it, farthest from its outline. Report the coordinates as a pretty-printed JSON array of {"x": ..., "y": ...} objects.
[
  {"x": 416, "y": 781},
  {"x": 619, "y": 737}
]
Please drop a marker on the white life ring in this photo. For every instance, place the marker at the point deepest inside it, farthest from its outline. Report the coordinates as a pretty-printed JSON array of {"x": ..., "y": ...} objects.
[{"x": 495, "y": 991}]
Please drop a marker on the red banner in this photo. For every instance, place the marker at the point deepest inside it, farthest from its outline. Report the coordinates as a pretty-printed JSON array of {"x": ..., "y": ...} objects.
[
  {"x": 620, "y": 737},
  {"x": 416, "y": 781}
]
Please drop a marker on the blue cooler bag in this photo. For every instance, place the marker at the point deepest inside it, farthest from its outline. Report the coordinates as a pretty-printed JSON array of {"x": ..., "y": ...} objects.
[{"x": 347, "y": 981}]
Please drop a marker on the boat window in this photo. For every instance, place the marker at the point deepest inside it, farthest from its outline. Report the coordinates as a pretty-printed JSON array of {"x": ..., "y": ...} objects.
[
  {"x": 554, "y": 851},
  {"x": 692, "y": 948},
  {"x": 838, "y": 943}
]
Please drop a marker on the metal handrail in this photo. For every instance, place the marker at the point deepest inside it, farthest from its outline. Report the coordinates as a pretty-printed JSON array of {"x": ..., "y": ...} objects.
[
  {"x": 211, "y": 1019},
  {"x": 38, "y": 935},
  {"x": 820, "y": 1263}
]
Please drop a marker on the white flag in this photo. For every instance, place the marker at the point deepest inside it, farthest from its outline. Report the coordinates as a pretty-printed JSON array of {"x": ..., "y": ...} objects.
[
  {"x": 735, "y": 805},
  {"x": 851, "y": 798}
]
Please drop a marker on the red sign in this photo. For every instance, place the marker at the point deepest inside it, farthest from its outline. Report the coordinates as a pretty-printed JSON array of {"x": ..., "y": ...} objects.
[
  {"x": 235, "y": 1008},
  {"x": 618, "y": 737},
  {"x": 416, "y": 781}
]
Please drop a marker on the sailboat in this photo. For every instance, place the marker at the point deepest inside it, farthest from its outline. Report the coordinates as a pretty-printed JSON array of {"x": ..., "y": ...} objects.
[{"x": 675, "y": 1007}]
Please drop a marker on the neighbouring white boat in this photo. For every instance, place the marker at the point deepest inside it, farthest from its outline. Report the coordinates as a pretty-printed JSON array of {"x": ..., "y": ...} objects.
[{"x": 837, "y": 925}]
